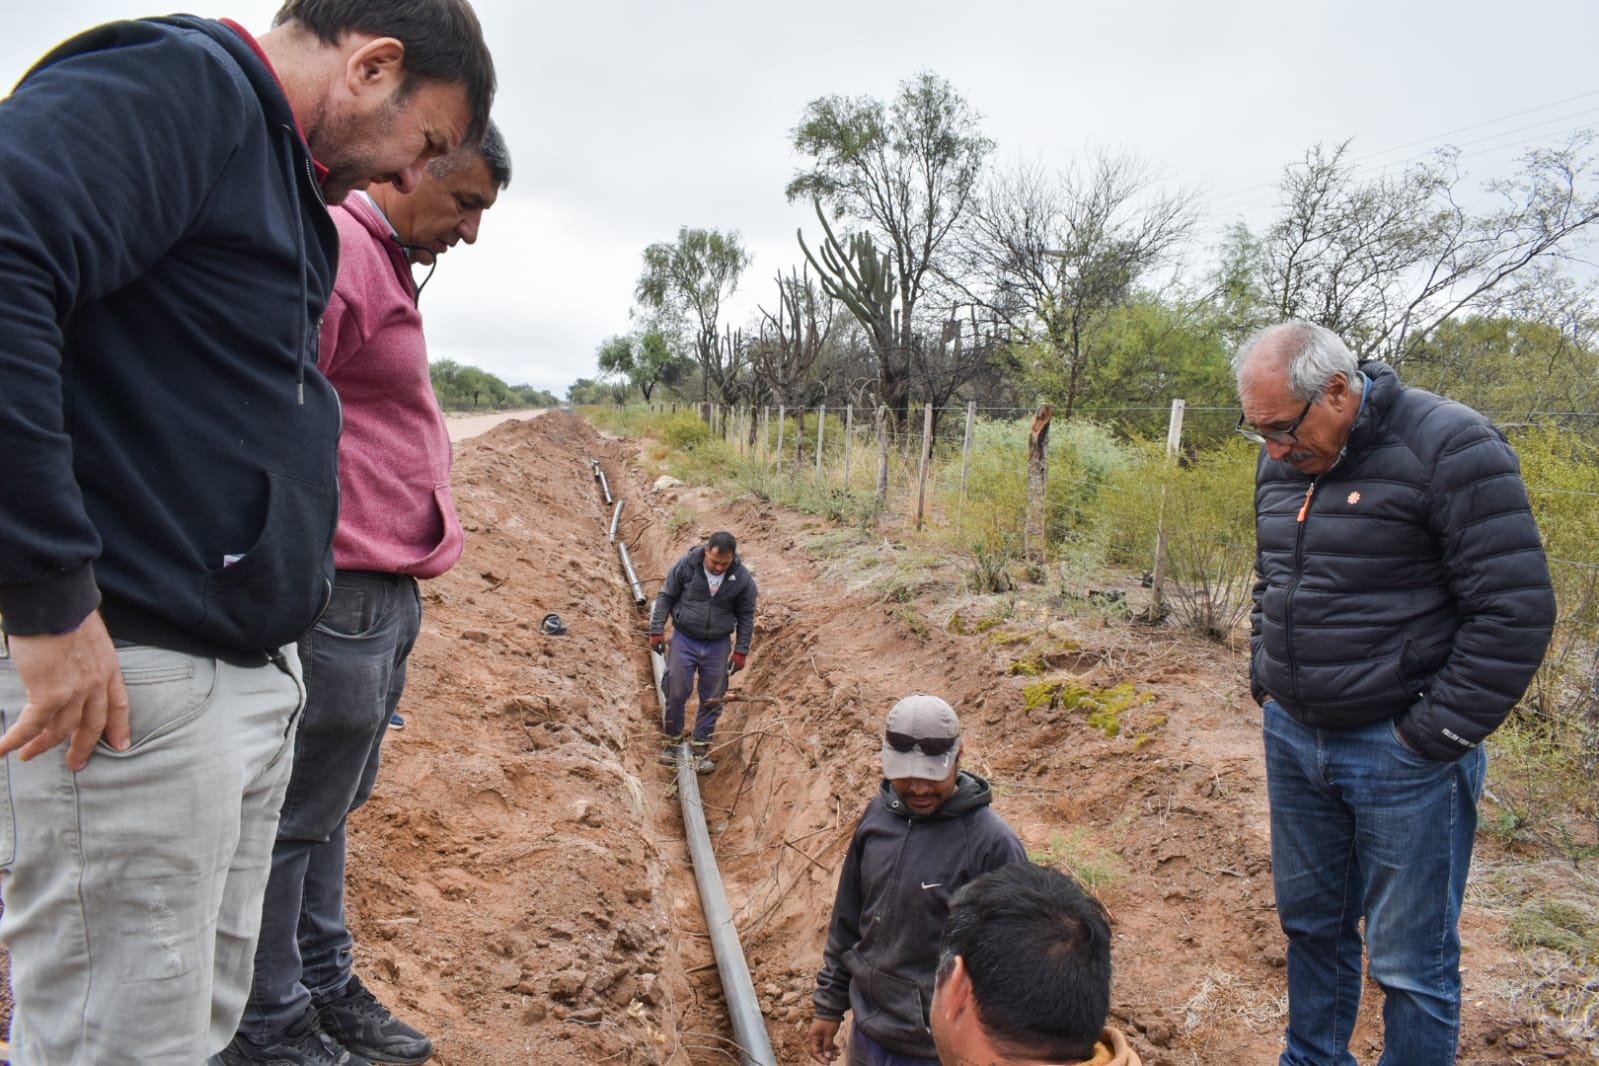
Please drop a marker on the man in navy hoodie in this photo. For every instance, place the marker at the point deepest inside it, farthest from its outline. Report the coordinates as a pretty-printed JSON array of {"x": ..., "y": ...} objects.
[
  {"x": 170, "y": 490},
  {"x": 926, "y": 834}
]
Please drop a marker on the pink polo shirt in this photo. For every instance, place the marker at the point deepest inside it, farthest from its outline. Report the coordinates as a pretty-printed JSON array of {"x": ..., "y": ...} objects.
[{"x": 396, "y": 514}]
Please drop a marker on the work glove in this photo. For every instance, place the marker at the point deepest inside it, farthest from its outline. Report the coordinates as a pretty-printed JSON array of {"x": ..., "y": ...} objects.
[
  {"x": 657, "y": 642},
  {"x": 736, "y": 663}
]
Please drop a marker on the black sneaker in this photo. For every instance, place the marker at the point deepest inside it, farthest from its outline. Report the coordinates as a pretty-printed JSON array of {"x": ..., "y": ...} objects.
[
  {"x": 305, "y": 1044},
  {"x": 366, "y": 1028},
  {"x": 703, "y": 763}
]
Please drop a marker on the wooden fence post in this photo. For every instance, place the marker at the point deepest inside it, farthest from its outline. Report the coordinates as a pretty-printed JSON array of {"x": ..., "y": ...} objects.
[
  {"x": 882, "y": 455},
  {"x": 1174, "y": 437},
  {"x": 927, "y": 461},
  {"x": 821, "y": 426},
  {"x": 1034, "y": 536},
  {"x": 780, "y": 421},
  {"x": 966, "y": 457},
  {"x": 849, "y": 435}
]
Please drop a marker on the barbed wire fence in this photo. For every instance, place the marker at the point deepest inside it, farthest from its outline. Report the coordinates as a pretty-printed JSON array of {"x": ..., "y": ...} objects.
[{"x": 919, "y": 470}]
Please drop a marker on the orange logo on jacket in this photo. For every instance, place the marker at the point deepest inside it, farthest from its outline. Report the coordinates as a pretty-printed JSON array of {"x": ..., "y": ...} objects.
[{"x": 1354, "y": 498}]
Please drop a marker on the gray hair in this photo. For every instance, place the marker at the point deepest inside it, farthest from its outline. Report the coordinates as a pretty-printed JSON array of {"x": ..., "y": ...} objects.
[
  {"x": 491, "y": 149},
  {"x": 1316, "y": 355}
]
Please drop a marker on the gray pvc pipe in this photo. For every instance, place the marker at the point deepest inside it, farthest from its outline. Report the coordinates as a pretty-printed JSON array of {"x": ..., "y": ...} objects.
[
  {"x": 632, "y": 575},
  {"x": 749, "y": 1027},
  {"x": 616, "y": 516}
]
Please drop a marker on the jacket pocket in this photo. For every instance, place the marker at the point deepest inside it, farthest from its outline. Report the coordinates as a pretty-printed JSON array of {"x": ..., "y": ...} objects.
[
  {"x": 898, "y": 1018},
  {"x": 447, "y": 552},
  {"x": 274, "y": 591}
]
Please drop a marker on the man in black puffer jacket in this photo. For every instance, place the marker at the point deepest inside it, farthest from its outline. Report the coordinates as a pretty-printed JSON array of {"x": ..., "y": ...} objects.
[{"x": 1401, "y": 607}]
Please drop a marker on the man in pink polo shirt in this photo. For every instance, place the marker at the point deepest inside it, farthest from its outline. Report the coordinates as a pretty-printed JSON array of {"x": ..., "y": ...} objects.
[{"x": 396, "y": 524}]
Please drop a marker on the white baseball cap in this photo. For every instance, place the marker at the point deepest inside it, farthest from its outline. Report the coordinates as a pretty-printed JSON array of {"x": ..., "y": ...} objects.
[{"x": 922, "y": 739}]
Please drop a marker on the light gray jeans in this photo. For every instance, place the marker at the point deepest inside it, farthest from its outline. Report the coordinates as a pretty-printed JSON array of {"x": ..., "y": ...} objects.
[{"x": 132, "y": 888}]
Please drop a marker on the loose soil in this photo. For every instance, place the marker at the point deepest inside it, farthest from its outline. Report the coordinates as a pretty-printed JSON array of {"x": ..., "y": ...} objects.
[{"x": 518, "y": 885}]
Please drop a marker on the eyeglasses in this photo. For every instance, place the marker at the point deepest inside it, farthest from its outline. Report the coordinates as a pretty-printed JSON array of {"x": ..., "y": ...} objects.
[
  {"x": 1279, "y": 436},
  {"x": 935, "y": 746}
]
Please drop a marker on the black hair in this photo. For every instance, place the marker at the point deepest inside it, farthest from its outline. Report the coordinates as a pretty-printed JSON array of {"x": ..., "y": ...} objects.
[
  {"x": 442, "y": 38},
  {"x": 491, "y": 149},
  {"x": 722, "y": 542},
  {"x": 1037, "y": 952}
]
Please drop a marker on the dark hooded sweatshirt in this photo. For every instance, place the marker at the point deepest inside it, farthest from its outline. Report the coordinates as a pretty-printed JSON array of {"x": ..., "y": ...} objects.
[
  {"x": 899, "y": 876},
  {"x": 169, "y": 448}
]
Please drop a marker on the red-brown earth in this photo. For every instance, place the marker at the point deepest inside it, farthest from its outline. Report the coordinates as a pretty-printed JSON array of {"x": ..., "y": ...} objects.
[{"x": 519, "y": 886}]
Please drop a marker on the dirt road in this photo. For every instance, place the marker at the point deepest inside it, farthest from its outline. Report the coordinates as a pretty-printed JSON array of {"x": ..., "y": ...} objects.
[{"x": 466, "y": 426}]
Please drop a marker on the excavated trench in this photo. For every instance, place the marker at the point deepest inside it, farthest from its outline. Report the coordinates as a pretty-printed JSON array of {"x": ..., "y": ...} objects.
[
  {"x": 520, "y": 883},
  {"x": 520, "y": 887}
]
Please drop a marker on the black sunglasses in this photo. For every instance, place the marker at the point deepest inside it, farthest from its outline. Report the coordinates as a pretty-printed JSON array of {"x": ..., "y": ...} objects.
[
  {"x": 1278, "y": 436},
  {"x": 904, "y": 744}
]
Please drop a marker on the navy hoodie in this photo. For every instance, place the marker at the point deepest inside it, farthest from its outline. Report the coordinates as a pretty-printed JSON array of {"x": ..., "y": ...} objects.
[
  {"x": 900, "y": 873},
  {"x": 167, "y": 446}
]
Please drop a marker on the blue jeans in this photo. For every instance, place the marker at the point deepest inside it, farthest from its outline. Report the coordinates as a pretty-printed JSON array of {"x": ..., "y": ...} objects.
[
  {"x": 354, "y": 664},
  {"x": 133, "y": 887},
  {"x": 688, "y": 658},
  {"x": 864, "y": 1051},
  {"x": 1361, "y": 826}
]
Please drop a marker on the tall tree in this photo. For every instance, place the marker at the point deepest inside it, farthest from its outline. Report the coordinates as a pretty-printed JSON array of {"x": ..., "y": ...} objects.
[
  {"x": 905, "y": 171},
  {"x": 644, "y": 360},
  {"x": 1384, "y": 261},
  {"x": 1057, "y": 254},
  {"x": 685, "y": 283}
]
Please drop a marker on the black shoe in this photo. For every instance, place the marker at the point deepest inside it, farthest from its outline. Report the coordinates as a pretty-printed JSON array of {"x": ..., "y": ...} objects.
[
  {"x": 367, "y": 1028},
  {"x": 703, "y": 763},
  {"x": 305, "y": 1044}
]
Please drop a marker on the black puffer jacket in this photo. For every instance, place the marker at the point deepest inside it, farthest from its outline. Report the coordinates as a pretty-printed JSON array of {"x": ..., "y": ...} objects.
[
  {"x": 1407, "y": 582},
  {"x": 686, "y": 596},
  {"x": 899, "y": 876}
]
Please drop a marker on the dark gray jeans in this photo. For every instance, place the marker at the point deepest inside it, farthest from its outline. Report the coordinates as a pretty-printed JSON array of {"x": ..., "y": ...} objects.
[{"x": 354, "y": 664}]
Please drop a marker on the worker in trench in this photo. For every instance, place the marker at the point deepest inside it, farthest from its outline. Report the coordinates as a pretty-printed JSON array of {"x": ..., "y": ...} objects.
[
  {"x": 928, "y": 832},
  {"x": 710, "y": 597}
]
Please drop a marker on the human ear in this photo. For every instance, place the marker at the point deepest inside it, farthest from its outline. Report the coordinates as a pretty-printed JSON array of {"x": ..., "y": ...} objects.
[
  {"x": 378, "y": 64},
  {"x": 955, "y": 990}
]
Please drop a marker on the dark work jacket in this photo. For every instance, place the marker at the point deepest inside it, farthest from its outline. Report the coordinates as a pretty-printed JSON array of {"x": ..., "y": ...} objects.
[
  {"x": 169, "y": 447},
  {"x": 686, "y": 597},
  {"x": 1408, "y": 582},
  {"x": 899, "y": 876}
]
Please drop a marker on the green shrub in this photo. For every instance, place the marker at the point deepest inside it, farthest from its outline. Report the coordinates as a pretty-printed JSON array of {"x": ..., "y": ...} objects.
[{"x": 685, "y": 431}]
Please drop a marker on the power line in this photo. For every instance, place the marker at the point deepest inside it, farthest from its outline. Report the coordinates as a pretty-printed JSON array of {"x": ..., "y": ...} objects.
[{"x": 1358, "y": 163}]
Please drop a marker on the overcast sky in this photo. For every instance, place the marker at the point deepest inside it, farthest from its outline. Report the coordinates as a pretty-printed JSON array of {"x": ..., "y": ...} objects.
[{"x": 628, "y": 120}]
